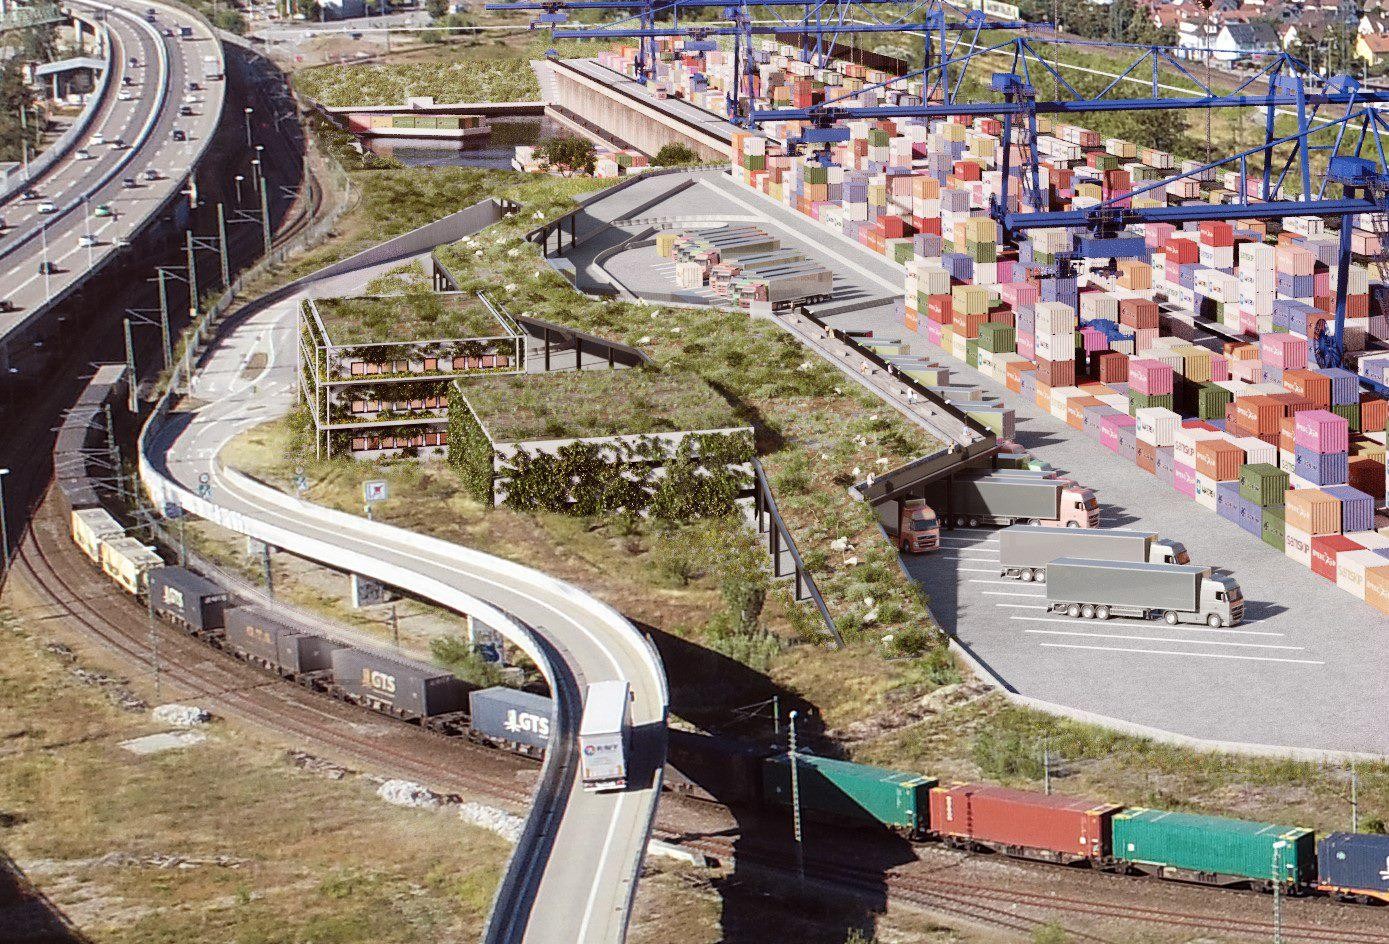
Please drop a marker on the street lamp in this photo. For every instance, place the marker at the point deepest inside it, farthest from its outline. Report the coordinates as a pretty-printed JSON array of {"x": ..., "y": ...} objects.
[
  {"x": 239, "y": 179},
  {"x": 249, "y": 110},
  {"x": 796, "y": 799},
  {"x": 47, "y": 280},
  {"x": 255, "y": 174},
  {"x": 1278, "y": 848},
  {"x": 4, "y": 530}
]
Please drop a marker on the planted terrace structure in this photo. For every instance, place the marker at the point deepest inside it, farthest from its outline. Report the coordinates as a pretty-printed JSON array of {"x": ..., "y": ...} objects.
[
  {"x": 599, "y": 442},
  {"x": 375, "y": 370}
]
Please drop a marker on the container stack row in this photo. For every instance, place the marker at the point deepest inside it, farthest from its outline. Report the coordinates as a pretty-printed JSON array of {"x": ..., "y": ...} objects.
[{"x": 745, "y": 265}]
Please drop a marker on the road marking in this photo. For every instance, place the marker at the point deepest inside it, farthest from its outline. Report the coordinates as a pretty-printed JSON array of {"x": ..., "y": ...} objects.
[
  {"x": 997, "y": 583},
  {"x": 978, "y": 570},
  {"x": 1018, "y": 606},
  {"x": 1185, "y": 642},
  {"x": 1169, "y": 652},
  {"x": 1008, "y": 593},
  {"x": 1121, "y": 621}
]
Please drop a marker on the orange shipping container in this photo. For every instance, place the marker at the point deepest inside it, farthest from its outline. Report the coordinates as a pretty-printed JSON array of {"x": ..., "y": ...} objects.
[
  {"x": 1377, "y": 588},
  {"x": 1313, "y": 511},
  {"x": 1075, "y": 410},
  {"x": 1218, "y": 459},
  {"x": 1309, "y": 385},
  {"x": 1260, "y": 413},
  {"x": 1367, "y": 474},
  {"x": 1374, "y": 413},
  {"x": 1015, "y": 372}
]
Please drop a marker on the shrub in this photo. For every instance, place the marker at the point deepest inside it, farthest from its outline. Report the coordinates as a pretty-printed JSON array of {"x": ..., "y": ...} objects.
[
  {"x": 675, "y": 153},
  {"x": 454, "y": 654},
  {"x": 1007, "y": 755},
  {"x": 1050, "y": 934},
  {"x": 573, "y": 152}
]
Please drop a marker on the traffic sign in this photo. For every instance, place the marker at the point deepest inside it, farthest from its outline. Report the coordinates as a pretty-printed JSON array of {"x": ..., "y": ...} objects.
[{"x": 375, "y": 490}]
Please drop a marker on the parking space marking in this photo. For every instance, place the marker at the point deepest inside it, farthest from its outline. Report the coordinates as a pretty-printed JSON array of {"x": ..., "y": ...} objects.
[
  {"x": 1168, "y": 652},
  {"x": 1000, "y": 583},
  {"x": 1018, "y": 606},
  {"x": 978, "y": 570},
  {"x": 1010, "y": 593},
  {"x": 1120, "y": 621},
  {"x": 1185, "y": 642}
]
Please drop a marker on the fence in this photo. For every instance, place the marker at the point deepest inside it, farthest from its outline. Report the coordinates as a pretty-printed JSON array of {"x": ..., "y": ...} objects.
[{"x": 781, "y": 544}]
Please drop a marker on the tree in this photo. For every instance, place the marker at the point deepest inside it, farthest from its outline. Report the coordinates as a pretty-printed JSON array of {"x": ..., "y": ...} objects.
[
  {"x": 436, "y": 8},
  {"x": 675, "y": 153},
  {"x": 576, "y": 153}
]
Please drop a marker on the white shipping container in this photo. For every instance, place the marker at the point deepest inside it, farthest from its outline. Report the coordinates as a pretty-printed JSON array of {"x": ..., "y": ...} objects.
[
  {"x": 1184, "y": 440},
  {"x": 1056, "y": 347},
  {"x": 1205, "y": 491},
  {"x": 1157, "y": 425},
  {"x": 1257, "y": 451},
  {"x": 91, "y": 526},
  {"x": 1297, "y": 544},
  {"x": 1351, "y": 567}
]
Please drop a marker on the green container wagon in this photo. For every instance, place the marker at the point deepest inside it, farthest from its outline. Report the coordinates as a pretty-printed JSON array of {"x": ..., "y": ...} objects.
[
  {"x": 1274, "y": 529},
  {"x": 841, "y": 791},
  {"x": 1262, "y": 483},
  {"x": 1212, "y": 849}
]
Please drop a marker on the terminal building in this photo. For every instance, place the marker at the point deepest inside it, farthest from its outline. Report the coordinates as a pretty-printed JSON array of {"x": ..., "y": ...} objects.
[{"x": 375, "y": 370}]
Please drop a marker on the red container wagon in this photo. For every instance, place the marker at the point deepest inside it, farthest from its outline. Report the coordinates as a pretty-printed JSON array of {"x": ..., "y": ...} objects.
[{"x": 1022, "y": 824}]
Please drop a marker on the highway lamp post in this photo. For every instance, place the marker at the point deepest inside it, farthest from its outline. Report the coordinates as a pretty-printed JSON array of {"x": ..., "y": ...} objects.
[
  {"x": 133, "y": 386},
  {"x": 255, "y": 173},
  {"x": 1354, "y": 798},
  {"x": 796, "y": 799},
  {"x": 4, "y": 528},
  {"x": 164, "y": 319},
  {"x": 264, "y": 217},
  {"x": 1278, "y": 848},
  {"x": 249, "y": 110},
  {"x": 192, "y": 276},
  {"x": 239, "y": 179},
  {"x": 87, "y": 225},
  {"x": 222, "y": 245},
  {"x": 154, "y": 646},
  {"x": 47, "y": 279}
]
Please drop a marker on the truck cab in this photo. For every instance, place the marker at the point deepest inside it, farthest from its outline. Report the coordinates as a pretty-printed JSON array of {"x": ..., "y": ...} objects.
[
  {"x": 918, "y": 528},
  {"x": 1079, "y": 508},
  {"x": 1165, "y": 551},
  {"x": 1222, "y": 600}
]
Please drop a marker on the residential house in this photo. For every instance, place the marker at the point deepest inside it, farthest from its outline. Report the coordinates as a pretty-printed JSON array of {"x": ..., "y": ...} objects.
[
  {"x": 1373, "y": 50},
  {"x": 1237, "y": 40}
]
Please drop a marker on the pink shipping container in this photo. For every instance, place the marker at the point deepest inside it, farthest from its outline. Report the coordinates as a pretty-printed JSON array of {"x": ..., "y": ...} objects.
[
  {"x": 1283, "y": 350},
  {"x": 933, "y": 330},
  {"x": 1184, "y": 479},
  {"x": 1109, "y": 429},
  {"x": 1220, "y": 369},
  {"x": 1294, "y": 260},
  {"x": 1020, "y": 296},
  {"x": 1093, "y": 340},
  {"x": 1149, "y": 377},
  {"x": 1321, "y": 431}
]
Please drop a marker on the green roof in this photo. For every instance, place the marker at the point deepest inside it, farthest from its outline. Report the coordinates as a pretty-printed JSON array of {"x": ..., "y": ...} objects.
[
  {"x": 590, "y": 403},
  {"x": 413, "y": 316}
]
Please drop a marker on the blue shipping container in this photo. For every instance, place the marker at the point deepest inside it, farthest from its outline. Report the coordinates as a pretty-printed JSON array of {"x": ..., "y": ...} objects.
[
  {"x": 1321, "y": 468},
  {"x": 1354, "y": 863}
]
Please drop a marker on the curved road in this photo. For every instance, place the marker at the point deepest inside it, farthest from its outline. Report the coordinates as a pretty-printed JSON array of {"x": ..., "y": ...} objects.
[
  {"x": 574, "y": 883},
  {"x": 164, "y": 67}
]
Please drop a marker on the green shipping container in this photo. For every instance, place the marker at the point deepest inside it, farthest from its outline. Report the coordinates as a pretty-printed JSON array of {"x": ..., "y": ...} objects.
[
  {"x": 817, "y": 175},
  {"x": 1141, "y": 401},
  {"x": 1211, "y": 402},
  {"x": 1274, "y": 527},
  {"x": 972, "y": 352},
  {"x": 840, "y": 790},
  {"x": 1262, "y": 484},
  {"x": 997, "y": 337},
  {"x": 1351, "y": 413},
  {"x": 1226, "y": 850},
  {"x": 755, "y": 162}
]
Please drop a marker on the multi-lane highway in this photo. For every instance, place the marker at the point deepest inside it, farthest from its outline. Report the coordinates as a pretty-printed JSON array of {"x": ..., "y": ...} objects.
[
  {"x": 123, "y": 170},
  {"x": 572, "y": 879}
]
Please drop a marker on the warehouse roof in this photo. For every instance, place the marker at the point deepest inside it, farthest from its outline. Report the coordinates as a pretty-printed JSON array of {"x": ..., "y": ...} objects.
[
  {"x": 412, "y": 316},
  {"x": 591, "y": 403}
]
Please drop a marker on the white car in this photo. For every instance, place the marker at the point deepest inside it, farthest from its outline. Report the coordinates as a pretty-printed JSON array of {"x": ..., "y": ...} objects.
[
  {"x": 124, "y": 96},
  {"x": 48, "y": 206},
  {"x": 83, "y": 154},
  {"x": 98, "y": 138},
  {"x": 86, "y": 239}
]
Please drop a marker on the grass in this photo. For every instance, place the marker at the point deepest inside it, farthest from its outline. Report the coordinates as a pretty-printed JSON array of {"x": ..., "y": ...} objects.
[
  {"x": 576, "y": 405},
  {"x": 405, "y": 278},
  {"x": 282, "y": 851},
  {"x": 416, "y": 315}
]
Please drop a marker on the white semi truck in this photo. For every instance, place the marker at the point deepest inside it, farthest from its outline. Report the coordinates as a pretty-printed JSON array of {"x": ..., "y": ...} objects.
[
  {"x": 603, "y": 735},
  {"x": 1024, "y": 550},
  {"x": 1012, "y": 497},
  {"x": 1178, "y": 593}
]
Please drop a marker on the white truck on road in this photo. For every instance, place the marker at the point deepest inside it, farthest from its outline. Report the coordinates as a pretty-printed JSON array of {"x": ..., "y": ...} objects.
[
  {"x": 1024, "y": 550},
  {"x": 603, "y": 736},
  {"x": 1099, "y": 589}
]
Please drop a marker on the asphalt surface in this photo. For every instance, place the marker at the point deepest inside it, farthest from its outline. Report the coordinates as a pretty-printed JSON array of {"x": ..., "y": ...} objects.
[
  {"x": 162, "y": 71},
  {"x": 1308, "y": 669},
  {"x": 582, "y": 890}
]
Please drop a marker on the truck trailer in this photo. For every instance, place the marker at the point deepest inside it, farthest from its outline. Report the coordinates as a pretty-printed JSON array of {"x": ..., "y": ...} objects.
[
  {"x": 1025, "y": 550},
  {"x": 603, "y": 736},
  {"x": 1179, "y": 593},
  {"x": 972, "y": 499}
]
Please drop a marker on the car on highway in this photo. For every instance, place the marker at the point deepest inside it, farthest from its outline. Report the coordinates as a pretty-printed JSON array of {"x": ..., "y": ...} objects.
[
  {"x": 120, "y": 242},
  {"x": 98, "y": 138},
  {"x": 31, "y": 194},
  {"x": 185, "y": 111},
  {"x": 85, "y": 240},
  {"x": 103, "y": 209},
  {"x": 179, "y": 135},
  {"x": 129, "y": 183},
  {"x": 7, "y": 306},
  {"x": 151, "y": 15},
  {"x": 124, "y": 96},
  {"x": 194, "y": 87},
  {"x": 151, "y": 173},
  {"x": 3, "y": 224},
  {"x": 48, "y": 268},
  {"x": 118, "y": 144},
  {"x": 134, "y": 62},
  {"x": 48, "y": 206},
  {"x": 83, "y": 154},
  {"x": 168, "y": 33}
]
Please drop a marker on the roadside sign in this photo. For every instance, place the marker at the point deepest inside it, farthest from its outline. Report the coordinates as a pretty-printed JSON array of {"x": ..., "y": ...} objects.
[
  {"x": 375, "y": 490},
  {"x": 173, "y": 509}
]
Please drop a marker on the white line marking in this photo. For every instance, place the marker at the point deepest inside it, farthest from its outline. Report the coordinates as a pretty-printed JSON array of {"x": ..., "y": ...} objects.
[
  {"x": 1018, "y": 606},
  {"x": 1167, "y": 652},
  {"x": 1120, "y": 621},
  {"x": 1187, "y": 642},
  {"x": 1008, "y": 593}
]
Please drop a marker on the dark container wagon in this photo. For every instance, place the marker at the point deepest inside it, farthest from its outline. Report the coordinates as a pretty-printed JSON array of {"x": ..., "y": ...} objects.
[
  {"x": 282, "y": 649},
  {"x": 1354, "y": 866},
  {"x": 714, "y": 769},
  {"x": 1021, "y": 823},
  {"x": 188, "y": 601},
  {"x": 396, "y": 686},
  {"x": 510, "y": 718}
]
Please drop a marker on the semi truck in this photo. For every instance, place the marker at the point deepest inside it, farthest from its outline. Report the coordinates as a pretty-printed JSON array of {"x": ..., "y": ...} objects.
[
  {"x": 603, "y": 736},
  {"x": 1179, "y": 593},
  {"x": 1024, "y": 550},
  {"x": 914, "y": 528},
  {"x": 972, "y": 499}
]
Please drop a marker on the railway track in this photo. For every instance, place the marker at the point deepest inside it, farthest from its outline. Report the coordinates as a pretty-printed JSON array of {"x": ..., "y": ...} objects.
[{"x": 53, "y": 567}]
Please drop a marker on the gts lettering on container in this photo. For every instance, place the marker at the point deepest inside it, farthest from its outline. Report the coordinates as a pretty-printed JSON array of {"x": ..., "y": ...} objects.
[
  {"x": 378, "y": 682},
  {"x": 259, "y": 635},
  {"x": 173, "y": 597},
  {"x": 524, "y": 721}
]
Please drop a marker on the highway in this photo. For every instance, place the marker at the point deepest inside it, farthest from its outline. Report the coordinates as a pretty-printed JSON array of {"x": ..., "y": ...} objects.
[
  {"x": 573, "y": 877},
  {"x": 143, "y": 115}
]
